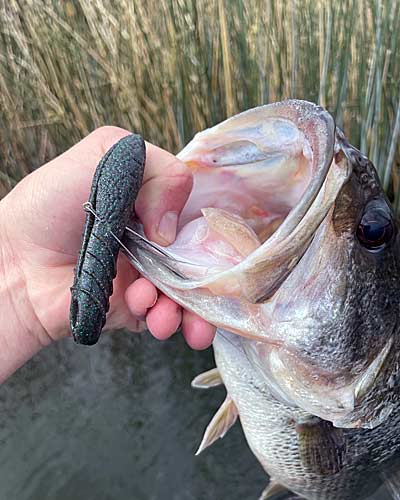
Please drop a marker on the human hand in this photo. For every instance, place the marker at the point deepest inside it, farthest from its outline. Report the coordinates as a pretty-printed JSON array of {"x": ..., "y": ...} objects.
[{"x": 41, "y": 223}]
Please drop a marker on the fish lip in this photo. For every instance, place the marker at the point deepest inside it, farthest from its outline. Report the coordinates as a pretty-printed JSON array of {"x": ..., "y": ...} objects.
[
  {"x": 342, "y": 404},
  {"x": 353, "y": 154}
]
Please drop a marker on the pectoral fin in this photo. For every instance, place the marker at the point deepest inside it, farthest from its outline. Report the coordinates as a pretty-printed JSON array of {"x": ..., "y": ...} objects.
[
  {"x": 221, "y": 422},
  {"x": 276, "y": 491},
  {"x": 322, "y": 447},
  {"x": 208, "y": 379}
]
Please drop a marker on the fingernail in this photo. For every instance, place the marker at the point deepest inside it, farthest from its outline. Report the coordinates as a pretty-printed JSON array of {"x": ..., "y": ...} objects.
[
  {"x": 155, "y": 300},
  {"x": 167, "y": 227},
  {"x": 179, "y": 322}
]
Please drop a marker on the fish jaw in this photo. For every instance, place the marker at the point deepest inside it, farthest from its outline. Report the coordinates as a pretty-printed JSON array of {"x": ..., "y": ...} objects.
[{"x": 228, "y": 293}]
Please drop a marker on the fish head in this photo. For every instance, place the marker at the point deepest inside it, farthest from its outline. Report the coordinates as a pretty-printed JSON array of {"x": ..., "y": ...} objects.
[
  {"x": 337, "y": 314},
  {"x": 288, "y": 241}
]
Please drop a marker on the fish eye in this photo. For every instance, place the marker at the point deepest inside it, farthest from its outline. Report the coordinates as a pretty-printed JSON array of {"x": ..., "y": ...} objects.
[{"x": 376, "y": 228}]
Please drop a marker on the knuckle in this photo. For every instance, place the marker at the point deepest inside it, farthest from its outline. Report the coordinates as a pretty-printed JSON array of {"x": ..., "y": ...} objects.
[
  {"x": 109, "y": 130},
  {"x": 107, "y": 135}
]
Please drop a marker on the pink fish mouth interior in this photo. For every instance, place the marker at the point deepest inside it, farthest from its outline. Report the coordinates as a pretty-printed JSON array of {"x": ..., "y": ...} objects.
[{"x": 257, "y": 187}]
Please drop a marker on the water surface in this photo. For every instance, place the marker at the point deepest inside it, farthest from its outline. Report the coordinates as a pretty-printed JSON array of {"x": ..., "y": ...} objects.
[{"x": 118, "y": 421}]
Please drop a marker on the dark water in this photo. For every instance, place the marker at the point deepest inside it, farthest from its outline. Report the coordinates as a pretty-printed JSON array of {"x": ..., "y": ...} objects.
[{"x": 118, "y": 421}]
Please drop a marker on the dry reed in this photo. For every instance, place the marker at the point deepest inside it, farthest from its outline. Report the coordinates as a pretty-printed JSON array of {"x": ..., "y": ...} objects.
[{"x": 168, "y": 68}]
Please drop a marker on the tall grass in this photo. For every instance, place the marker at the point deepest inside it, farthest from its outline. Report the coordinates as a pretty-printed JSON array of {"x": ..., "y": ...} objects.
[{"x": 168, "y": 68}]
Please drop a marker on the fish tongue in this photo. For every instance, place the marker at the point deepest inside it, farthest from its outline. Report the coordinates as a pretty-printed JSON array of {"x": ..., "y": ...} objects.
[
  {"x": 206, "y": 247},
  {"x": 165, "y": 272},
  {"x": 233, "y": 229}
]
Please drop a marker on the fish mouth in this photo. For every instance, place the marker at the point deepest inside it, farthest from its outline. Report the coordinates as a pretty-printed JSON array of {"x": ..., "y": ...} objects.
[
  {"x": 337, "y": 397},
  {"x": 264, "y": 181},
  {"x": 273, "y": 168}
]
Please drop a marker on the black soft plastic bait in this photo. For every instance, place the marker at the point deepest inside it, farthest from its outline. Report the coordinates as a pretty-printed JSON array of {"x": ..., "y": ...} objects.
[{"x": 115, "y": 186}]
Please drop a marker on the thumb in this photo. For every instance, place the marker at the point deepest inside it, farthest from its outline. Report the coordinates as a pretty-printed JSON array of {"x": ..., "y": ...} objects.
[{"x": 167, "y": 184}]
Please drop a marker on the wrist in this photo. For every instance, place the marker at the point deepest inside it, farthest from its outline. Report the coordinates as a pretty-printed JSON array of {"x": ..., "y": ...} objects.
[{"x": 21, "y": 334}]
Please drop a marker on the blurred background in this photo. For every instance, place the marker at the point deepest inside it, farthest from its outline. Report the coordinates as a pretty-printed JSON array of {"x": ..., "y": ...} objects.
[{"x": 119, "y": 420}]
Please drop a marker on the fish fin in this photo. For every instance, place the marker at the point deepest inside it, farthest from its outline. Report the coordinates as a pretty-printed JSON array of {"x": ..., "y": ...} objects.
[
  {"x": 322, "y": 447},
  {"x": 391, "y": 479},
  {"x": 275, "y": 491},
  {"x": 208, "y": 379},
  {"x": 221, "y": 422}
]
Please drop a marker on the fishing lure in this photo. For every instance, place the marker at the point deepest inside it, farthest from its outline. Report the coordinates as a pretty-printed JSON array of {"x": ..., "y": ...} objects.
[{"x": 115, "y": 186}]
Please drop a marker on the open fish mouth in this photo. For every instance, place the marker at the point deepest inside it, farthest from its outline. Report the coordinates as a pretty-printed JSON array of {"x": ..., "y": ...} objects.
[
  {"x": 264, "y": 180},
  {"x": 337, "y": 397}
]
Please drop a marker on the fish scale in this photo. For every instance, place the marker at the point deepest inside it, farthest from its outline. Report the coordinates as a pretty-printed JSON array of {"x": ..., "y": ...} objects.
[{"x": 270, "y": 430}]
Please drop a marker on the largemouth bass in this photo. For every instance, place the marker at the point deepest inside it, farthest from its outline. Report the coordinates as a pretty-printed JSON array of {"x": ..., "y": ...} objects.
[{"x": 289, "y": 246}]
